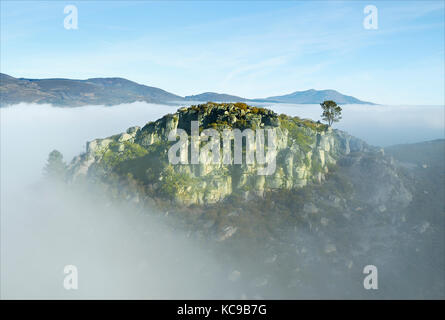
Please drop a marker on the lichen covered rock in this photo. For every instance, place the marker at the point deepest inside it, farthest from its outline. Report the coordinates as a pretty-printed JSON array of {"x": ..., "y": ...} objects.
[{"x": 304, "y": 151}]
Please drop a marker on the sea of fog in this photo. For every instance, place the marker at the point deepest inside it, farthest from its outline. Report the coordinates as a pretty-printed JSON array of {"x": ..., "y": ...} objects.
[
  {"x": 30, "y": 132},
  {"x": 381, "y": 125},
  {"x": 41, "y": 231}
]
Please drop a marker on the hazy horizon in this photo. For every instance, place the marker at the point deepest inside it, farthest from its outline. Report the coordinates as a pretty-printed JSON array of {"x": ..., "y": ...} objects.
[
  {"x": 250, "y": 49},
  {"x": 120, "y": 252},
  {"x": 42, "y": 128}
]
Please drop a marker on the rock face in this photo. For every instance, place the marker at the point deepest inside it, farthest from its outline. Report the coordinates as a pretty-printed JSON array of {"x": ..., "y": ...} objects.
[
  {"x": 384, "y": 189},
  {"x": 304, "y": 151}
]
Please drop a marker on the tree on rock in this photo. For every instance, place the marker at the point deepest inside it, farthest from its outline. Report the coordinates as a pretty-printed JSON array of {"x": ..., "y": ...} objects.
[
  {"x": 331, "y": 112},
  {"x": 55, "y": 168}
]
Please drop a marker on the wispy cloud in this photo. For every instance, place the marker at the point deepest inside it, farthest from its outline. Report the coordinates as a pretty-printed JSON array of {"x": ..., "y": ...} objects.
[{"x": 263, "y": 50}]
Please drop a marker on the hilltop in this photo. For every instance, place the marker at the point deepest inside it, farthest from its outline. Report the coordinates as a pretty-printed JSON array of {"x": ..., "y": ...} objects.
[
  {"x": 304, "y": 152},
  {"x": 333, "y": 204}
]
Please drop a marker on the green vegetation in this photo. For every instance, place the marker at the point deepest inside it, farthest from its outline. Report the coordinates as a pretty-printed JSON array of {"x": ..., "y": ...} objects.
[
  {"x": 147, "y": 168},
  {"x": 173, "y": 183},
  {"x": 241, "y": 124},
  {"x": 143, "y": 164},
  {"x": 120, "y": 152},
  {"x": 316, "y": 126},
  {"x": 297, "y": 133},
  {"x": 241, "y": 105},
  {"x": 316, "y": 166},
  {"x": 331, "y": 112},
  {"x": 247, "y": 108},
  {"x": 55, "y": 168},
  {"x": 219, "y": 124}
]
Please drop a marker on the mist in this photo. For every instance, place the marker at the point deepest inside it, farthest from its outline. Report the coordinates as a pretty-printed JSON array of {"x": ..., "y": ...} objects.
[
  {"x": 381, "y": 125},
  {"x": 120, "y": 250},
  {"x": 30, "y": 131}
]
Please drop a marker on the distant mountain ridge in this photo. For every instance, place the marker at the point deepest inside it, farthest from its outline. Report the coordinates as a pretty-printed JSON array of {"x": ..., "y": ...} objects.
[
  {"x": 113, "y": 91},
  {"x": 311, "y": 96},
  {"x": 316, "y": 96},
  {"x": 213, "y": 96},
  {"x": 68, "y": 92}
]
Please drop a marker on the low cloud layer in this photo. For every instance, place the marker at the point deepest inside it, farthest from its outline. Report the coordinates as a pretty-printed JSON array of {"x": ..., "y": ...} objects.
[
  {"x": 119, "y": 252},
  {"x": 381, "y": 125}
]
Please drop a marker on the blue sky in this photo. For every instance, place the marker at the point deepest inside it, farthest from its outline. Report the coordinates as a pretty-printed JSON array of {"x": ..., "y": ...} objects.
[{"x": 251, "y": 48}]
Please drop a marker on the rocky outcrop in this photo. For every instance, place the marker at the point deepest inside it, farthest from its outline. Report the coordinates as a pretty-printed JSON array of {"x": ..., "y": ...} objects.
[
  {"x": 377, "y": 182},
  {"x": 96, "y": 149},
  {"x": 303, "y": 153}
]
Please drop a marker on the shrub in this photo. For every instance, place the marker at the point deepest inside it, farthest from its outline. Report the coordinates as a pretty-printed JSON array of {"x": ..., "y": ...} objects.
[
  {"x": 113, "y": 157},
  {"x": 173, "y": 182}
]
